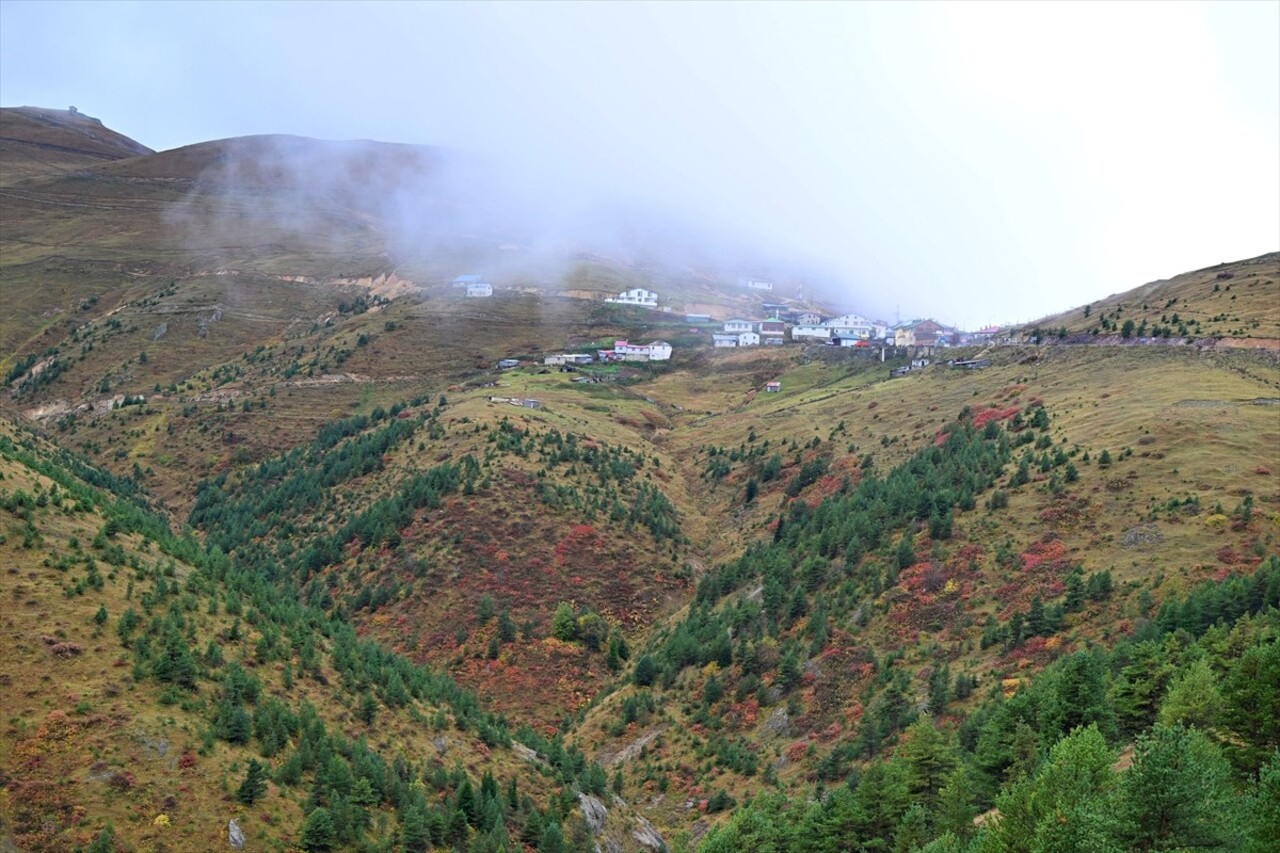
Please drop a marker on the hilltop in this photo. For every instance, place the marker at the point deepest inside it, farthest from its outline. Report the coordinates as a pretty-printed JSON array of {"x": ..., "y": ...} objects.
[{"x": 37, "y": 142}]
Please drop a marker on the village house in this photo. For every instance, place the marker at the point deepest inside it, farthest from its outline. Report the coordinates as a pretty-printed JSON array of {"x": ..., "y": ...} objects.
[
  {"x": 922, "y": 333},
  {"x": 636, "y": 296},
  {"x": 697, "y": 318},
  {"x": 850, "y": 326},
  {"x": 810, "y": 333},
  {"x": 479, "y": 290},
  {"x": 739, "y": 326},
  {"x": 775, "y": 329},
  {"x": 567, "y": 358},
  {"x": 772, "y": 387},
  {"x": 808, "y": 318},
  {"x": 652, "y": 351},
  {"x": 724, "y": 340},
  {"x": 625, "y": 351},
  {"x": 508, "y": 363},
  {"x": 985, "y": 335},
  {"x": 659, "y": 351},
  {"x": 757, "y": 284},
  {"x": 748, "y": 339}
]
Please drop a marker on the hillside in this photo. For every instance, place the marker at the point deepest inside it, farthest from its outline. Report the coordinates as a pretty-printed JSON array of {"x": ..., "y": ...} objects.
[
  {"x": 147, "y": 675},
  {"x": 867, "y": 609},
  {"x": 1231, "y": 304},
  {"x": 266, "y": 494},
  {"x": 38, "y": 142},
  {"x": 378, "y": 219}
]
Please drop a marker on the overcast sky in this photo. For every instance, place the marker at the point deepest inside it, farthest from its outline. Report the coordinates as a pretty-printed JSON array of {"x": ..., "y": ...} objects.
[{"x": 971, "y": 161}]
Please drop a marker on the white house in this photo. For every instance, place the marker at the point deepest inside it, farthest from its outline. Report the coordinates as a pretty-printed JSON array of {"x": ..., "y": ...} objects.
[
  {"x": 626, "y": 351},
  {"x": 636, "y": 296},
  {"x": 810, "y": 333},
  {"x": 850, "y": 326},
  {"x": 748, "y": 339},
  {"x": 757, "y": 284},
  {"x": 808, "y": 318},
  {"x": 739, "y": 326},
  {"x": 653, "y": 351},
  {"x": 479, "y": 290},
  {"x": 659, "y": 351},
  {"x": 726, "y": 340}
]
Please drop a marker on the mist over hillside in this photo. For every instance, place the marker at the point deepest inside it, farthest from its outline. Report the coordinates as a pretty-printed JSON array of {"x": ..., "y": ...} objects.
[{"x": 310, "y": 547}]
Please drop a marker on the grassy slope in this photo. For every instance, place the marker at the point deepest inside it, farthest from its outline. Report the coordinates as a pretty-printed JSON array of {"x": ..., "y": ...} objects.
[
  {"x": 1236, "y": 301},
  {"x": 37, "y": 142},
  {"x": 1202, "y": 426},
  {"x": 77, "y": 718}
]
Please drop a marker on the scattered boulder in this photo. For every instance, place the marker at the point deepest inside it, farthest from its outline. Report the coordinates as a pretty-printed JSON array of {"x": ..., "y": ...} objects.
[
  {"x": 235, "y": 835},
  {"x": 647, "y": 836},
  {"x": 1142, "y": 536},
  {"x": 65, "y": 650},
  {"x": 158, "y": 746},
  {"x": 593, "y": 812},
  {"x": 778, "y": 724},
  {"x": 525, "y": 753}
]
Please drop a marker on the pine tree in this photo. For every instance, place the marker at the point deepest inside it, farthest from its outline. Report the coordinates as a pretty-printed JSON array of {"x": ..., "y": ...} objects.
[
  {"x": 956, "y": 809},
  {"x": 646, "y": 671},
  {"x": 552, "y": 839},
  {"x": 1263, "y": 822},
  {"x": 1193, "y": 699},
  {"x": 232, "y": 723},
  {"x": 1252, "y": 693},
  {"x": 465, "y": 801},
  {"x": 929, "y": 759},
  {"x": 415, "y": 837},
  {"x": 939, "y": 689},
  {"x": 506, "y": 627},
  {"x": 175, "y": 663},
  {"x": 1177, "y": 792},
  {"x": 564, "y": 625},
  {"x": 254, "y": 784},
  {"x": 368, "y": 709},
  {"x": 318, "y": 833},
  {"x": 906, "y": 553},
  {"x": 1036, "y": 618},
  {"x": 1077, "y": 697},
  {"x": 1069, "y": 804},
  {"x": 881, "y": 799}
]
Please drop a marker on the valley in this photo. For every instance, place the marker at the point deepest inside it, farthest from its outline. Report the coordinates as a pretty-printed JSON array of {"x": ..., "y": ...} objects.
[{"x": 267, "y": 503}]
